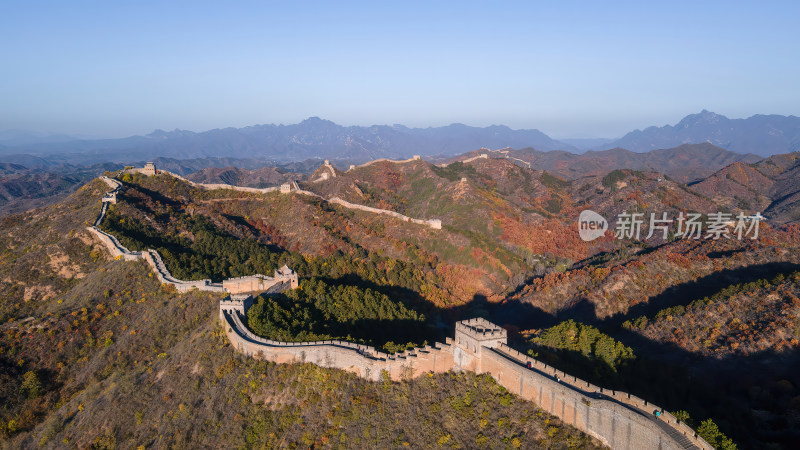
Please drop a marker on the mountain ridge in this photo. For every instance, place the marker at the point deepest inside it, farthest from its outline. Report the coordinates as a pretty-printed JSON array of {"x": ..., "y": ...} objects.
[
  {"x": 762, "y": 134},
  {"x": 313, "y": 137}
]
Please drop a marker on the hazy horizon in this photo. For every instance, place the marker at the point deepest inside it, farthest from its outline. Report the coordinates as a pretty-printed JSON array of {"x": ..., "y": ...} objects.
[
  {"x": 571, "y": 71},
  {"x": 573, "y": 137}
]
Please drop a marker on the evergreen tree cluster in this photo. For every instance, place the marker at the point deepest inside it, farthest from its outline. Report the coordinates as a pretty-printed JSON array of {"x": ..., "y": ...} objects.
[
  {"x": 319, "y": 310},
  {"x": 587, "y": 340}
]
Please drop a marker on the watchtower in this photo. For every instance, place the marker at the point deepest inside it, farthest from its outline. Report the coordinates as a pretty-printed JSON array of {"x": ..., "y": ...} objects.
[
  {"x": 285, "y": 274},
  {"x": 470, "y": 339},
  {"x": 235, "y": 304},
  {"x": 149, "y": 168}
]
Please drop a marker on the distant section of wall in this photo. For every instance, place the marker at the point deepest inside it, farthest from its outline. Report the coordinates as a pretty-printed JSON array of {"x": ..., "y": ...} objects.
[
  {"x": 212, "y": 186},
  {"x": 617, "y": 419},
  {"x": 394, "y": 161},
  {"x": 504, "y": 152},
  {"x": 433, "y": 223},
  {"x": 331, "y": 173},
  {"x": 293, "y": 187},
  {"x": 481, "y": 156}
]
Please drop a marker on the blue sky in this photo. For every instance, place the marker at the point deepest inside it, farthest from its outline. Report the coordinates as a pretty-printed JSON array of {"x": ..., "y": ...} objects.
[{"x": 567, "y": 68}]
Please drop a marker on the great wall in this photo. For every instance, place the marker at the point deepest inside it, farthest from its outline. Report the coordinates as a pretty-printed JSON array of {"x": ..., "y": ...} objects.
[
  {"x": 292, "y": 187},
  {"x": 239, "y": 285},
  {"x": 504, "y": 155},
  {"x": 617, "y": 419}
]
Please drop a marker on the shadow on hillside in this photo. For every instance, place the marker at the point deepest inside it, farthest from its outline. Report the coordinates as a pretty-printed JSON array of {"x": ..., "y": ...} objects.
[
  {"x": 755, "y": 399},
  {"x": 154, "y": 195},
  {"x": 438, "y": 321},
  {"x": 724, "y": 253},
  {"x": 685, "y": 293}
]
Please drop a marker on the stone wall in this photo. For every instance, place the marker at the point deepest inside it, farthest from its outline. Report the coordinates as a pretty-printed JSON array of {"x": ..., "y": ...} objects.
[
  {"x": 617, "y": 419},
  {"x": 165, "y": 277},
  {"x": 362, "y": 360},
  {"x": 117, "y": 250},
  {"x": 212, "y": 186},
  {"x": 394, "y": 161},
  {"x": 433, "y": 223},
  {"x": 481, "y": 156},
  {"x": 331, "y": 173},
  {"x": 259, "y": 283},
  {"x": 114, "y": 247},
  {"x": 293, "y": 187}
]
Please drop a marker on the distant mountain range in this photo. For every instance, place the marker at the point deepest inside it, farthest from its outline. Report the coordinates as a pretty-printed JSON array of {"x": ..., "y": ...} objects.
[
  {"x": 317, "y": 138},
  {"x": 313, "y": 137},
  {"x": 760, "y": 134}
]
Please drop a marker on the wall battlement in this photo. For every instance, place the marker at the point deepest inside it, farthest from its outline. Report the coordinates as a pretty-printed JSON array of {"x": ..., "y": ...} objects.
[
  {"x": 617, "y": 419},
  {"x": 433, "y": 223},
  {"x": 260, "y": 283},
  {"x": 393, "y": 161},
  {"x": 254, "y": 283},
  {"x": 481, "y": 329}
]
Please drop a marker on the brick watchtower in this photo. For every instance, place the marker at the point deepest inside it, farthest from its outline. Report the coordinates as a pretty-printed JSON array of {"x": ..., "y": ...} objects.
[{"x": 471, "y": 336}]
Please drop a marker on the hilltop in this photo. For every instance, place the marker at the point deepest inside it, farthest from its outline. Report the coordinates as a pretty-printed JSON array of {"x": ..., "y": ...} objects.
[{"x": 771, "y": 185}]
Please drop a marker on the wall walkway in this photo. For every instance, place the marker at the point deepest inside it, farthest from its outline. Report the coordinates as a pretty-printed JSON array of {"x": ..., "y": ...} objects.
[
  {"x": 618, "y": 419},
  {"x": 238, "y": 285},
  {"x": 432, "y": 223},
  {"x": 394, "y": 161}
]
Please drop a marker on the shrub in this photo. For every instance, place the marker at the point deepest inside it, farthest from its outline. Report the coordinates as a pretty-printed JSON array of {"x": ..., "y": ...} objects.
[{"x": 31, "y": 386}]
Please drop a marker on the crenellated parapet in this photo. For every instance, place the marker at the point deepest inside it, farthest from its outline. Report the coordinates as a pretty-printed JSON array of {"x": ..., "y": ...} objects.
[
  {"x": 471, "y": 338},
  {"x": 261, "y": 283},
  {"x": 252, "y": 284},
  {"x": 616, "y": 418}
]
